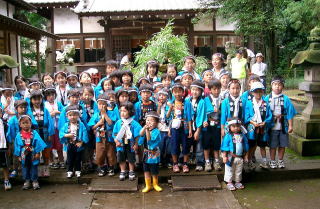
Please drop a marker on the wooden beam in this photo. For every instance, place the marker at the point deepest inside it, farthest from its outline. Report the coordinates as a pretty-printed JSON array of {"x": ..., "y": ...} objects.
[
  {"x": 191, "y": 37},
  {"x": 214, "y": 35},
  {"x": 38, "y": 59}
]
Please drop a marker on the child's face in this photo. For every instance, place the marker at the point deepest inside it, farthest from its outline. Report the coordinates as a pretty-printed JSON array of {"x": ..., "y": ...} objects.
[
  {"x": 234, "y": 89},
  {"x": 145, "y": 96},
  {"x": 21, "y": 85},
  {"x": 277, "y": 87},
  {"x": 208, "y": 76},
  {"x": 61, "y": 80},
  {"x": 172, "y": 72},
  {"x": 85, "y": 79},
  {"x": 239, "y": 55},
  {"x": 126, "y": 79},
  {"x": 73, "y": 117},
  {"x": 51, "y": 97},
  {"x": 143, "y": 82},
  {"x": 259, "y": 59},
  {"x": 36, "y": 101},
  {"x": 235, "y": 128},
  {"x": 158, "y": 88},
  {"x": 124, "y": 113},
  {"x": 87, "y": 96},
  {"x": 116, "y": 81},
  {"x": 110, "y": 69},
  {"x": 35, "y": 86},
  {"x": 189, "y": 64},
  {"x": 74, "y": 100},
  {"x": 215, "y": 91},
  {"x": 102, "y": 105},
  {"x": 216, "y": 62},
  {"x": 151, "y": 70},
  {"x": 107, "y": 86},
  {"x": 7, "y": 93},
  {"x": 225, "y": 80},
  {"x": 258, "y": 94},
  {"x": 151, "y": 122},
  {"x": 178, "y": 93},
  {"x": 47, "y": 80},
  {"x": 124, "y": 97},
  {"x": 186, "y": 81},
  {"x": 72, "y": 81},
  {"x": 166, "y": 83},
  {"x": 21, "y": 109},
  {"x": 195, "y": 92},
  {"x": 25, "y": 124},
  {"x": 162, "y": 98},
  {"x": 133, "y": 97}
]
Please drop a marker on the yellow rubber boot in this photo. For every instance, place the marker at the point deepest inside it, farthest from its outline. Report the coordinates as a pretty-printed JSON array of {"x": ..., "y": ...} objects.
[
  {"x": 155, "y": 184},
  {"x": 148, "y": 185}
]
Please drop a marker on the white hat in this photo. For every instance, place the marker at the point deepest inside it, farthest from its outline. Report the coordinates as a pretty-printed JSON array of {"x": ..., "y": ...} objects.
[
  {"x": 257, "y": 85},
  {"x": 259, "y": 55}
]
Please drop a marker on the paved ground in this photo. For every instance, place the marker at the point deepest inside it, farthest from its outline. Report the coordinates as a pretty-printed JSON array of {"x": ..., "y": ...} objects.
[{"x": 295, "y": 194}]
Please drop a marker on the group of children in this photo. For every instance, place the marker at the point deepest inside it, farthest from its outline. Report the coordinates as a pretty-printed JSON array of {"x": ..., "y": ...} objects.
[{"x": 169, "y": 120}]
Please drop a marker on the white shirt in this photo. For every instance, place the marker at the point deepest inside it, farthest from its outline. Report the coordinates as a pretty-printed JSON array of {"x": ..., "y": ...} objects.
[
  {"x": 124, "y": 60},
  {"x": 259, "y": 69}
]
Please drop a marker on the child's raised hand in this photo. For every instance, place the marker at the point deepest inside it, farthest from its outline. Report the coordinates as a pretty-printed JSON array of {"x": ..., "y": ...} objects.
[
  {"x": 118, "y": 144},
  {"x": 79, "y": 144}
]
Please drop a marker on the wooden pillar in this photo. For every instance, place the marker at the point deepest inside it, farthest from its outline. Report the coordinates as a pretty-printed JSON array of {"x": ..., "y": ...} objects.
[
  {"x": 191, "y": 37},
  {"x": 38, "y": 59},
  {"x": 82, "y": 49},
  {"x": 108, "y": 42},
  {"x": 214, "y": 36}
]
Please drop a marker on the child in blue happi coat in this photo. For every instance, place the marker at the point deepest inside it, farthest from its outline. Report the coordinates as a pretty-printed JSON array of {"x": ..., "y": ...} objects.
[
  {"x": 198, "y": 118},
  {"x": 125, "y": 133},
  {"x": 224, "y": 80},
  {"x": 234, "y": 147},
  {"x": 232, "y": 106},
  {"x": 283, "y": 113},
  {"x": 54, "y": 107},
  {"x": 102, "y": 124},
  {"x": 212, "y": 128},
  {"x": 73, "y": 96},
  {"x": 27, "y": 146},
  {"x": 258, "y": 117},
  {"x": 150, "y": 140},
  {"x": 152, "y": 68},
  {"x": 73, "y": 134},
  {"x": 163, "y": 126},
  {"x": 106, "y": 84},
  {"x": 43, "y": 124},
  {"x": 21, "y": 86},
  {"x": 247, "y": 95},
  {"x": 180, "y": 128},
  {"x": 72, "y": 81},
  {"x": 189, "y": 65},
  {"x": 111, "y": 66},
  {"x": 126, "y": 80}
]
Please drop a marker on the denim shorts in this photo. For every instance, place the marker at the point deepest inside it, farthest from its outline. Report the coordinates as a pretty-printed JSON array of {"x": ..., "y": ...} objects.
[{"x": 278, "y": 139}]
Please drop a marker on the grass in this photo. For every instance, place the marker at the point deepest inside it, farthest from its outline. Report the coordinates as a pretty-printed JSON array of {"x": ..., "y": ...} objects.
[{"x": 292, "y": 155}]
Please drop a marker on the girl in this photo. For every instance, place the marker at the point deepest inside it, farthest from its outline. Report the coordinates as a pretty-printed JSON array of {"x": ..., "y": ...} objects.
[
  {"x": 47, "y": 80},
  {"x": 34, "y": 84},
  {"x": 102, "y": 124},
  {"x": 86, "y": 80},
  {"x": 218, "y": 65},
  {"x": 126, "y": 80},
  {"x": 224, "y": 79},
  {"x": 234, "y": 147},
  {"x": 189, "y": 67},
  {"x": 142, "y": 81},
  {"x": 43, "y": 124},
  {"x": 172, "y": 71},
  {"x": 207, "y": 78},
  {"x": 150, "y": 140},
  {"x": 3, "y": 154},
  {"x": 126, "y": 132},
  {"x": 152, "y": 69},
  {"x": 61, "y": 89},
  {"x": 106, "y": 85},
  {"x": 72, "y": 80},
  {"x": 73, "y": 134},
  {"x": 7, "y": 101},
  {"x": 166, "y": 80},
  {"x": 186, "y": 81},
  {"x": 133, "y": 96},
  {"x": 54, "y": 109},
  {"x": 21, "y": 85},
  {"x": 232, "y": 106},
  {"x": 27, "y": 146},
  {"x": 122, "y": 96}
]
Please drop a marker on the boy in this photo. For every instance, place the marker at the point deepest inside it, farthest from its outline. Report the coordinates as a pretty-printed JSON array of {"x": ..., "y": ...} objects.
[
  {"x": 181, "y": 125},
  {"x": 212, "y": 134},
  {"x": 283, "y": 112},
  {"x": 111, "y": 66},
  {"x": 186, "y": 81}
]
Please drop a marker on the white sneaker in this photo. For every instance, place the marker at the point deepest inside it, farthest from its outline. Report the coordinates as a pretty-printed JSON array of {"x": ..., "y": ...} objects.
[
  {"x": 78, "y": 174},
  {"x": 281, "y": 164},
  {"x": 208, "y": 167},
  {"x": 199, "y": 168},
  {"x": 7, "y": 185},
  {"x": 69, "y": 174},
  {"x": 273, "y": 164}
]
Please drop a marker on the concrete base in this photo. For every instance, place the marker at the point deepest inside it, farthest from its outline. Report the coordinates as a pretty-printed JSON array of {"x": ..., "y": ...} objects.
[
  {"x": 308, "y": 129},
  {"x": 303, "y": 146}
]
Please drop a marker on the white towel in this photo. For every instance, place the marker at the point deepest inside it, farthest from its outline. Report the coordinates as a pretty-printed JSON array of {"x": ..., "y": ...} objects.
[
  {"x": 3, "y": 142},
  {"x": 236, "y": 105},
  {"x": 125, "y": 130},
  {"x": 10, "y": 107},
  {"x": 256, "y": 107}
]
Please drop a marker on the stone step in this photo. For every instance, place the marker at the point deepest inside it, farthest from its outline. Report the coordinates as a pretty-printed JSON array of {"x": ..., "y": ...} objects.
[
  {"x": 195, "y": 183},
  {"x": 112, "y": 184}
]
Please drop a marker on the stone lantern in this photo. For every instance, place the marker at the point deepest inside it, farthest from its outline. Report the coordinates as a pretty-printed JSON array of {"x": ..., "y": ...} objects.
[{"x": 306, "y": 128}]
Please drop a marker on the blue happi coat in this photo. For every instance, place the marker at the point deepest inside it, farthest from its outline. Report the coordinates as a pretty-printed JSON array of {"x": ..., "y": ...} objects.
[{"x": 152, "y": 150}]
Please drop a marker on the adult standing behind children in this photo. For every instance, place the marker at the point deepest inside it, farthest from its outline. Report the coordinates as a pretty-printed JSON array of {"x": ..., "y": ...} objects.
[
  {"x": 218, "y": 65},
  {"x": 239, "y": 69},
  {"x": 260, "y": 68}
]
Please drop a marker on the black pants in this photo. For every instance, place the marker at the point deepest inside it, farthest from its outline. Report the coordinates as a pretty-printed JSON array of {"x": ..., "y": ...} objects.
[{"x": 73, "y": 158}]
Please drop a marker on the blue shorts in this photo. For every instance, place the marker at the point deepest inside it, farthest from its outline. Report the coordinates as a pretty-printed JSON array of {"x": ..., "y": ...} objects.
[
  {"x": 153, "y": 168},
  {"x": 178, "y": 137},
  {"x": 278, "y": 139},
  {"x": 212, "y": 138}
]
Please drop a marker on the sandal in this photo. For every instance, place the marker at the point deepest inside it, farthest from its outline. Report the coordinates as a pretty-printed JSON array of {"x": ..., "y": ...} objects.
[
  {"x": 231, "y": 187},
  {"x": 185, "y": 169},
  {"x": 176, "y": 168},
  {"x": 238, "y": 185}
]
